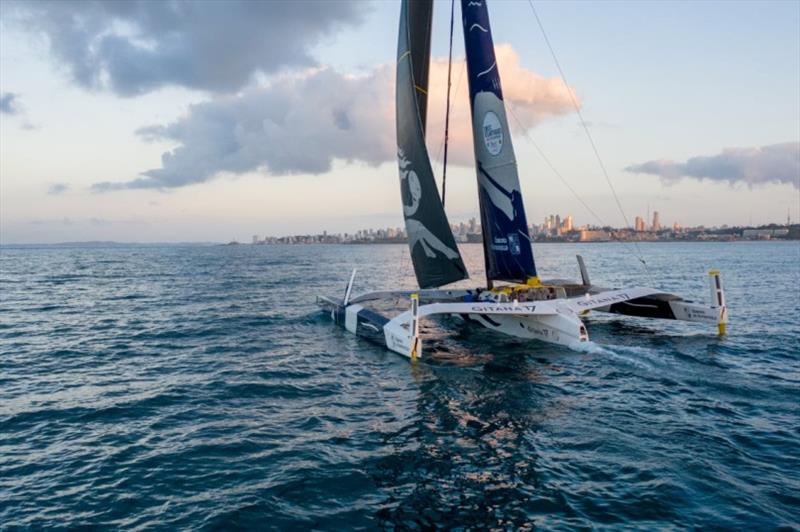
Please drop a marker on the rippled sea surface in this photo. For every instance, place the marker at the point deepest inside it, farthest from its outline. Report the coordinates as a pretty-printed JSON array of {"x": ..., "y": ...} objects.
[{"x": 199, "y": 387}]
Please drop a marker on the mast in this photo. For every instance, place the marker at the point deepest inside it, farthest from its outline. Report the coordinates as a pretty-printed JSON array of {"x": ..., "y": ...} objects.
[
  {"x": 436, "y": 257},
  {"x": 506, "y": 241},
  {"x": 447, "y": 112}
]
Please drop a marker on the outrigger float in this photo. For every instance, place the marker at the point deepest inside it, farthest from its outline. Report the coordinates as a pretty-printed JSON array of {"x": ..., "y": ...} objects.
[{"x": 527, "y": 307}]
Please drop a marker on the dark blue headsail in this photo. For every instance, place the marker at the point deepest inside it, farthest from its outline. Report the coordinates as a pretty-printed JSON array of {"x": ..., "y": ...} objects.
[{"x": 506, "y": 241}]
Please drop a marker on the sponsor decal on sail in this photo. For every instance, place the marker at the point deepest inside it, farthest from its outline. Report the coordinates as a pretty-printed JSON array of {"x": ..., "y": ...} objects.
[
  {"x": 492, "y": 133},
  {"x": 499, "y": 244}
]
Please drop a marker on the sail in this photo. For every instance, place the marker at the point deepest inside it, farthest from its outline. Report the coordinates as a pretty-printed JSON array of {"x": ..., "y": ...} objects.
[
  {"x": 434, "y": 253},
  {"x": 506, "y": 241}
]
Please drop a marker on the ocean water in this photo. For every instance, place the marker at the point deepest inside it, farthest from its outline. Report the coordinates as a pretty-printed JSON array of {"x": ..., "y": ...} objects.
[{"x": 199, "y": 387}]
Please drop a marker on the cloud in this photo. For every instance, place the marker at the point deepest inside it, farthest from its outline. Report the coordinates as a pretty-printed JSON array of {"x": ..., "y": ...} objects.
[
  {"x": 67, "y": 222},
  {"x": 57, "y": 188},
  {"x": 530, "y": 97},
  {"x": 776, "y": 163},
  {"x": 9, "y": 103},
  {"x": 300, "y": 124},
  {"x": 137, "y": 46}
]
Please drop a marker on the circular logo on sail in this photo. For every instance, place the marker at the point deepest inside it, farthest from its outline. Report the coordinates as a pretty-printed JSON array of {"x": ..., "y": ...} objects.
[{"x": 492, "y": 133}]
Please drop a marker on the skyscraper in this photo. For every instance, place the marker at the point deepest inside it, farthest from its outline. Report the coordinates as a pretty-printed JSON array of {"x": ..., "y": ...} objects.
[{"x": 656, "y": 222}]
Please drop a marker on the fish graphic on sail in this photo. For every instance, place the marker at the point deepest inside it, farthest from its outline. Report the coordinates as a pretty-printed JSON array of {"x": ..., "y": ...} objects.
[
  {"x": 506, "y": 241},
  {"x": 434, "y": 253}
]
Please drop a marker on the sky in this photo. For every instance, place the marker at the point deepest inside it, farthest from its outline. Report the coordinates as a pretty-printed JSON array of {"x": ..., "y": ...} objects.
[{"x": 146, "y": 121}]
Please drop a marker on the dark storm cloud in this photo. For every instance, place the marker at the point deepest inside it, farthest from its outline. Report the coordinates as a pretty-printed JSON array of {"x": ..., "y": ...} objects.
[
  {"x": 133, "y": 47},
  {"x": 776, "y": 163},
  {"x": 8, "y": 103}
]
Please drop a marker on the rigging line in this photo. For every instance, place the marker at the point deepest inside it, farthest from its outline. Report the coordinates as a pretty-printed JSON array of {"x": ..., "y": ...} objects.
[
  {"x": 550, "y": 164},
  {"x": 436, "y": 159},
  {"x": 571, "y": 189},
  {"x": 586, "y": 130},
  {"x": 578, "y": 112},
  {"x": 447, "y": 112}
]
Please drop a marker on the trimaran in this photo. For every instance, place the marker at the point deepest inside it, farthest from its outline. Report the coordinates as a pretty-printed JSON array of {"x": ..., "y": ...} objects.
[{"x": 527, "y": 307}]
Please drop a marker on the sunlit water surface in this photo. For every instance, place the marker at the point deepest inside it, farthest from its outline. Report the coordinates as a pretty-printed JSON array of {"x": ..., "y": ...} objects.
[{"x": 199, "y": 387}]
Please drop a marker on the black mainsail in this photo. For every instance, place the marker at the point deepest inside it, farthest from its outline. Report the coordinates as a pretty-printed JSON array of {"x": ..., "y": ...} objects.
[
  {"x": 434, "y": 253},
  {"x": 506, "y": 241}
]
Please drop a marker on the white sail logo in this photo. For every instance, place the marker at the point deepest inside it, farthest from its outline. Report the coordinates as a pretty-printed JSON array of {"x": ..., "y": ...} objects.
[
  {"x": 417, "y": 232},
  {"x": 492, "y": 133}
]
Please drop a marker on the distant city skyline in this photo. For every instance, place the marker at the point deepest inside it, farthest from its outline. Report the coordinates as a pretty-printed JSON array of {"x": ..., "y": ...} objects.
[
  {"x": 553, "y": 228},
  {"x": 118, "y": 132}
]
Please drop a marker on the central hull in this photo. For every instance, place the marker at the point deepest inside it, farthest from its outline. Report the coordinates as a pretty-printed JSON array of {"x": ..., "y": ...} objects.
[
  {"x": 365, "y": 318},
  {"x": 558, "y": 329}
]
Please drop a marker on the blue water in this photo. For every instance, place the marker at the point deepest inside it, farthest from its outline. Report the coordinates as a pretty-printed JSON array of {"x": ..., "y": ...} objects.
[{"x": 199, "y": 387}]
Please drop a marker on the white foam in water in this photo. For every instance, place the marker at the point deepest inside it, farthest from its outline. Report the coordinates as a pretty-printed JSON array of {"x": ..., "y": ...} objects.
[
  {"x": 590, "y": 348},
  {"x": 617, "y": 352}
]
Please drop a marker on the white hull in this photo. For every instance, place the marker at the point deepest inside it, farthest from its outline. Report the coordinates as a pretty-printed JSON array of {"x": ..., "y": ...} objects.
[
  {"x": 554, "y": 320},
  {"x": 558, "y": 329}
]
